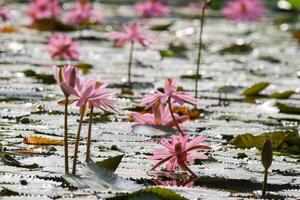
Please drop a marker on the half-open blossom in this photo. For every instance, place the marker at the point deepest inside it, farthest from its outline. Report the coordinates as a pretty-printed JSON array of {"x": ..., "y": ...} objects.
[
  {"x": 244, "y": 10},
  {"x": 90, "y": 91},
  {"x": 151, "y": 8},
  {"x": 67, "y": 75},
  {"x": 5, "y": 13},
  {"x": 43, "y": 9},
  {"x": 170, "y": 91},
  {"x": 83, "y": 13},
  {"x": 161, "y": 116},
  {"x": 179, "y": 151},
  {"x": 132, "y": 32},
  {"x": 61, "y": 46}
]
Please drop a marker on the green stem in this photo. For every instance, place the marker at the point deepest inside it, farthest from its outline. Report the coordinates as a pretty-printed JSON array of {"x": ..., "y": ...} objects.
[
  {"x": 130, "y": 62},
  {"x": 77, "y": 144},
  {"x": 200, "y": 49},
  {"x": 264, "y": 188},
  {"x": 173, "y": 116},
  {"x": 88, "y": 145},
  {"x": 66, "y": 136}
]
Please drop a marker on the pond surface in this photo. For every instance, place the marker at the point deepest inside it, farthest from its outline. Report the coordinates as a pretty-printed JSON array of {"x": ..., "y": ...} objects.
[{"x": 29, "y": 107}]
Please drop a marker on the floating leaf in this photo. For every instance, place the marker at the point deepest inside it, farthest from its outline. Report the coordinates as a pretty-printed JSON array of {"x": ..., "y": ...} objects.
[
  {"x": 296, "y": 35},
  {"x": 282, "y": 95},
  {"x": 288, "y": 109},
  {"x": 152, "y": 130},
  {"x": 37, "y": 140},
  {"x": 255, "y": 89},
  {"x": 193, "y": 76},
  {"x": 294, "y": 3},
  {"x": 270, "y": 59},
  {"x": 154, "y": 193},
  {"x": 50, "y": 25},
  {"x": 112, "y": 163},
  {"x": 237, "y": 49},
  {"x": 10, "y": 161},
  {"x": 192, "y": 113},
  {"x": 7, "y": 192},
  {"x": 282, "y": 141},
  {"x": 44, "y": 78},
  {"x": 162, "y": 26}
]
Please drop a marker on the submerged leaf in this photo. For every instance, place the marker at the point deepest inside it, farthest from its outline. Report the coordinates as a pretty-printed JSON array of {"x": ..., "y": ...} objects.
[
  {"x": 10, "y": 161},
  {"x": 154, "y": 193},
  {"x": 37, "y": 140},
  {"x": 111, "y": 164},
  {"x": 255, "y": 89},
  {"x": 282, "y": 95}
]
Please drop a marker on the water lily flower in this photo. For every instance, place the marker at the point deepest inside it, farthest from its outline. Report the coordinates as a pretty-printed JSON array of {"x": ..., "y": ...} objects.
[
  {"x": 179, "y": 152},
  {"x": 244, "y": 10},
  {"x": 61, "y": 46},
  {"x": 43, "y": 9},
  {"x": 161, "y": 116},
  {"x": 170, "y": 92},
  {"x": 67, "y": 75},
  {"x": 83, "y": 13},
  {"x": 89, "y": 90},
  {"x": 5, "y": 13},
  {"x": 151, "y": 8},
  {"x": 132, "y": 32}
]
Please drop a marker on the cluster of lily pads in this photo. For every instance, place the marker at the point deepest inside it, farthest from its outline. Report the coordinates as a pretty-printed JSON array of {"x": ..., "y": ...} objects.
[{"x": 179, "y": 150}]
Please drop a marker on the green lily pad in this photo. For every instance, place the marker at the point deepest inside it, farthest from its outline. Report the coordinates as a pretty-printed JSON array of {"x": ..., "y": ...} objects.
[
  {"x": 282, "y": 141},
  {"x": 255, "y": 89},
  {"x": 111, "y": 164},
  {"x": 51, "y": 25},
  {"x": 282, "y": 95},
  {"x": 237, "y": 49},
  {"x": 295, "y": 4},
  {"x": 193, "y": 76},
  {"x": 154, "y": 193},
  {"x": 44, "y": 78},
  {"x": 288, "y": 109}
]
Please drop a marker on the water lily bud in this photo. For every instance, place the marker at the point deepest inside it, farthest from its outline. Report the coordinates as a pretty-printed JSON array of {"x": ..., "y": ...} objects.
[
  {"x": 72, "y": 73},
  {"x": 267, "y": 154}
]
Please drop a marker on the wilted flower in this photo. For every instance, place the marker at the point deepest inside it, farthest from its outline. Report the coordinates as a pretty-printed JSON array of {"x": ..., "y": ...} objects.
[
  {"x": 170, "y": 91},
  {"x": 61, "y": 46},
  {"x": 83, "y": 13},
  {"x": 244, "y": 10},
  {"x": 92, "y": 91},
  {"x": 178, "y": 152},
  {"x": 43, "y": 9},
  {"x": 161, "y": 116},
  {"x": 132, "y": 32},
  {"x": 5, "y": 13},
  {"x": 151, "y": 8}
]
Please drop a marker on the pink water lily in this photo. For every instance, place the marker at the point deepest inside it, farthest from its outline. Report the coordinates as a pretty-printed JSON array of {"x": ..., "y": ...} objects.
[
  {"x": 43, "y": 9},
  {"x": 61, "y": 46},
  {"x": 5, "y": 13},
  {"x": 244, "y": 10},
  {"x": 67, "y": 75},
  {"x": 161, "y": 116},
  {"x": 132, "y": 32},
  {"x": 151, "y": 8},
  {"x": 170, "y": 92},
  {"x": 83, "y": 13},
  {"x": 179, "y": 152},
  {"x": 89, "y": 90}
]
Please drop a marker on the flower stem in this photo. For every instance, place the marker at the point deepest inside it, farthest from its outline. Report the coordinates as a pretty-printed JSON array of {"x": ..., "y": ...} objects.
[
  {"x": 88, "y": 145},
  {"x": 200, "y": 48},
  {"x": 77, "y": 144},
  {"x": 264, "y": 188},
  {"x": 173, "y": 117},
  {"x": 66, "y": 136},
  {"x": 130, "y": 62}
]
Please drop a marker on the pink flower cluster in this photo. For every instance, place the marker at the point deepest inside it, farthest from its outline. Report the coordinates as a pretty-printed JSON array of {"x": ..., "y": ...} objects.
[
  {"x": 5, "y": 13},
  {"x": 151, "y": 8},
  {"x": 83, "y": 91},
  {"x": 244, "y": 10},
  {"x": 61, "y": 46},
  {"x": 43, "y": 9},
  {"x": 83, "y": 13}
]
